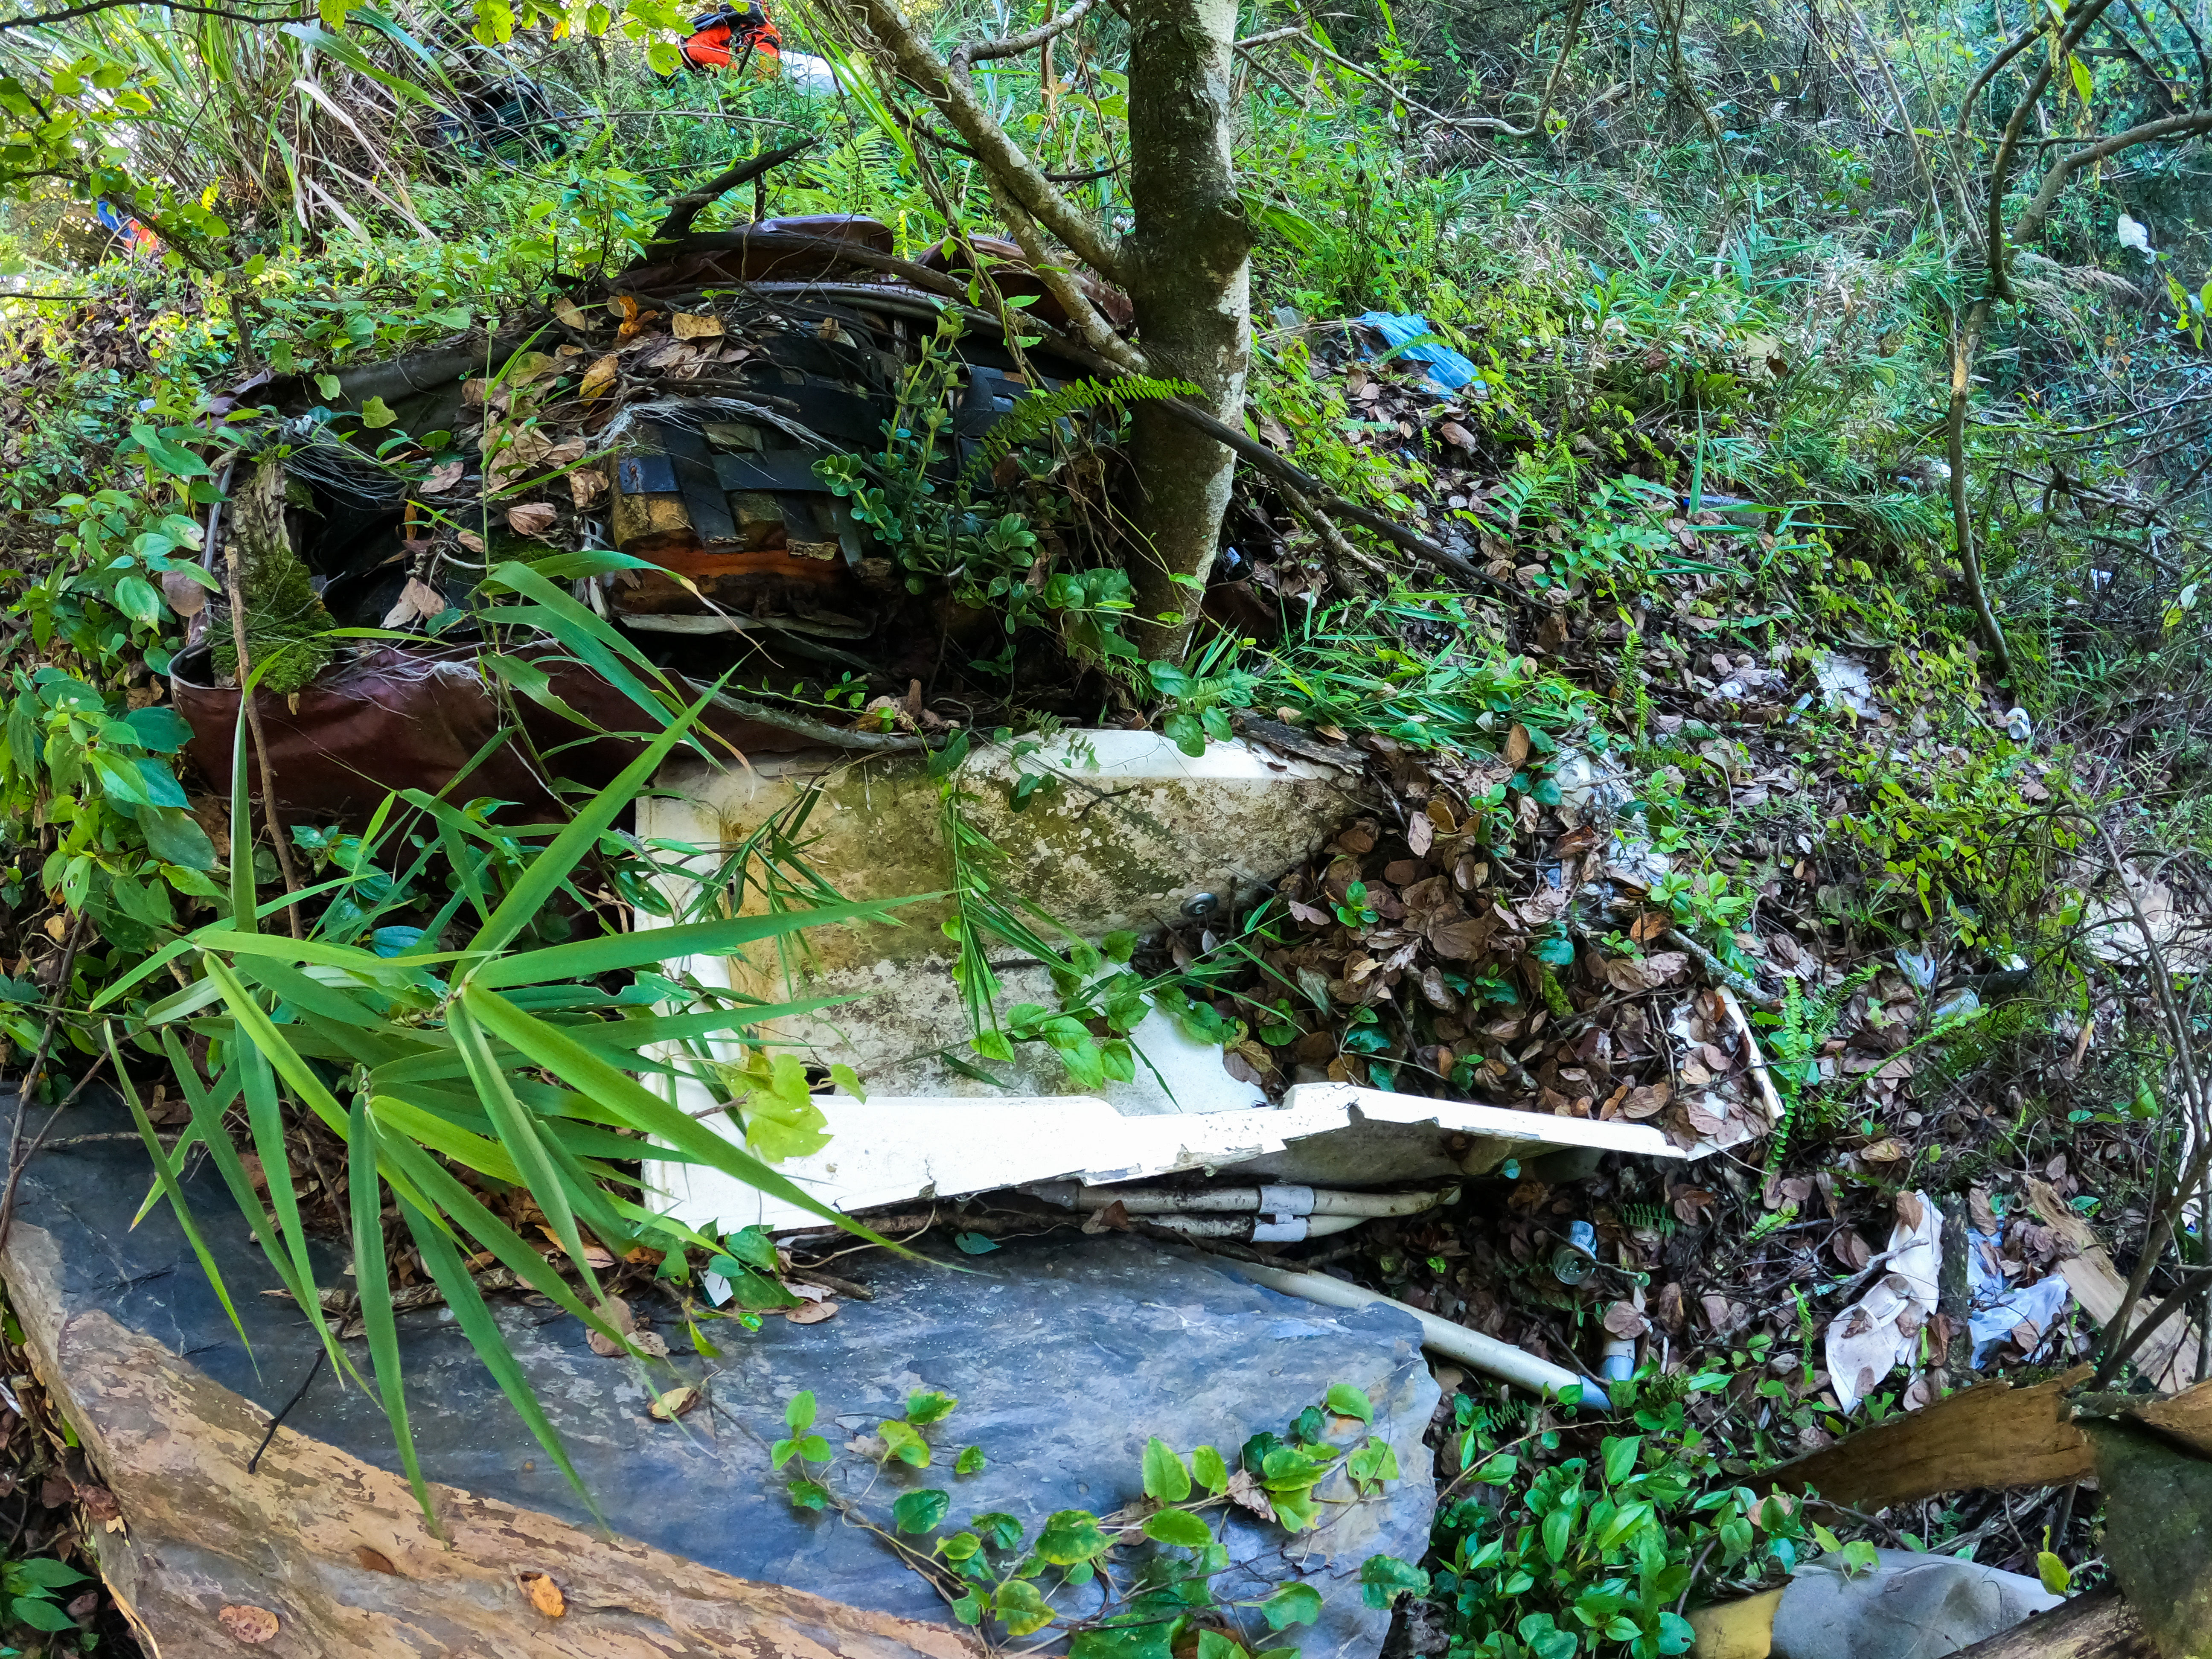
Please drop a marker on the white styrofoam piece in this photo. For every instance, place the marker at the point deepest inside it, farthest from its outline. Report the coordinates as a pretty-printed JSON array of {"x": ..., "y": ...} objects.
[{"x": 887, "y": 1151}]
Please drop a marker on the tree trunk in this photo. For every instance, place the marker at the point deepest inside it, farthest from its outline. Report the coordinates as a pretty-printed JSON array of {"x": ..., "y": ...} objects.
[{"x": 1186, "y": 263}]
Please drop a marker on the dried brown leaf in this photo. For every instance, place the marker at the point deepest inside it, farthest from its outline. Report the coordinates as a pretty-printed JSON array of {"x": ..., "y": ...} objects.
[
  {"x": 687, "y": 325},
  {"x": 1625, "y": 1319},
  {"x": 418, "y": 601},
  {"x": 599, "y": 379},
  {"x": 532, "y": 517},
  {"x": 811, "y": 1313},
  {"x": 1852, "y": 1252},
  {"x": 668, "y": 1406}
]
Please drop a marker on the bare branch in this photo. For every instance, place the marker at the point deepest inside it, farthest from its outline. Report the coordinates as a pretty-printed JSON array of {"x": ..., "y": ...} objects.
[
  {"x": 2150, "y": 132},
  {"x": 1994, "y": 68},
  {"x": 38, "y": 19},
  {"x": 974, "y": 51},
  {"x": 689, "y": 206},
  {"x": 955, "y": 96},
  {"x": 1095, "y": 330},
  {"x": 1457, "y": 122},
  {"x": 2000, "y": 168}
]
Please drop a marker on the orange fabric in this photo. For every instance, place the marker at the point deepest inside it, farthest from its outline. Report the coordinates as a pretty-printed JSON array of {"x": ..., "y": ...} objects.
[{"x": 715, "y": 45}]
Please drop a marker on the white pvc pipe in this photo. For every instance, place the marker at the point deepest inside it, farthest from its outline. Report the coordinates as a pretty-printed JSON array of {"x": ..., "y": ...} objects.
[
  {"x": 1485, "y": 1353},
  {"x": 1279, "y": 1230},
  {"x": 1272, "y": 1201}
]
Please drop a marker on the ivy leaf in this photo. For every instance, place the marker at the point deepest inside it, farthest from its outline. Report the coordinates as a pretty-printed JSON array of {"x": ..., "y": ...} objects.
[
  {"x": 1000, "y": 1531},
  {"x": 179, "y": 463},
  {"x": 1178, "y": 1526},
  {"x": 1165, "y": 1477},
  {"x": 927, "y": 1406},
  {"x": 376, "y": 414},
  {"x": 1021, "y": 1608},
  {"x": 1291, "y": 1604},
  {"x": 970, "y": 1461},
  {"x": 1621, "y": 1457},
  {"x": 1347, "y": 1401},
  {"x": 1071, "y": 1535},
  {"x": 903, "y": 1443},
  {"x": 800, "y": 1414},
  {"x": 1212, "y": 1645},
  {"x": 755, "y": 1249},
  {"x": 974, "y": 1243},
  {"x": 1212, "y": 1472},
  {"x": 808, "y": 1494},
  {"x": 961, "y": 1546},
  {"x": 137, "y": 598},
  {"x": 1384, "y": 1579},
  {"x": 920, "y": 1512},
  {"x": 1859, "y": 1556}
]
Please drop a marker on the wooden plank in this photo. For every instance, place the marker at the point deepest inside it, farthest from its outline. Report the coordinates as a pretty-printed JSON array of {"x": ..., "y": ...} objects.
[
  {"x": 1991, "y": 1435},
  {"x": 2168, "y": 1357},
  {"x": 2098, "y": 1625}
]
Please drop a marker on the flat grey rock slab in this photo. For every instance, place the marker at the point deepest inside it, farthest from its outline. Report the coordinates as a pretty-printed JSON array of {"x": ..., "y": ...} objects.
[{"x": 1066, "y": 1354}]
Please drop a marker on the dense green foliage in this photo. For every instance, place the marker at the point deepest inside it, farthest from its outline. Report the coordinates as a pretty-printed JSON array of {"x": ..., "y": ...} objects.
[{"x": 1712, "y": 298}]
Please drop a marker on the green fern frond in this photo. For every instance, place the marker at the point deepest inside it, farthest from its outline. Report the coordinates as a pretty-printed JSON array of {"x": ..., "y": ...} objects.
[{"x": 1035, "y": 415}]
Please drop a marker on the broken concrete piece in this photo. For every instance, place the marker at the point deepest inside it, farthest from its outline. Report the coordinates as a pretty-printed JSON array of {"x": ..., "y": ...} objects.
[
  {"x": 1066, "y": 1356},
  {"x": 886, "y": 1151},
  {"x": 1125, "y": 832}
]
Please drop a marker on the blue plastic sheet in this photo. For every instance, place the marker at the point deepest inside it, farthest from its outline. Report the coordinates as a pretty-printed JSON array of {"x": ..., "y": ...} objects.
[{"x": 1446, "y": 367}]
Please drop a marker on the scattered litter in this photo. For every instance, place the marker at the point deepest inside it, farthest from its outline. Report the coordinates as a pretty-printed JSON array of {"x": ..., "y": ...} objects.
[
  {"x": 2018, "y": 727},
  {"x": 1844, "y": 685},
  {"x": 1883, "y": 1327},
  {"x": 1910, "y": 1605},
  {"x": 1446, "y": 367},
  {"x": 2000, "y": 1312}
]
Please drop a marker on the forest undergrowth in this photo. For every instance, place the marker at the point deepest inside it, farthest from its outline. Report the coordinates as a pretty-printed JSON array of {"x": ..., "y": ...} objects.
[{"x": 1701, "y": 698}]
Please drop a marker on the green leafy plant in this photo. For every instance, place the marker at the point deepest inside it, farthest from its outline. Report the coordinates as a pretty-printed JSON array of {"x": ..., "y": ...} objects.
[
  {"x": 31, "y": 1588},
  {"x": 513, "y": 1064},
  {"x": 1595, "y": 1554},
  {"x": 1153, "y": 1560}
]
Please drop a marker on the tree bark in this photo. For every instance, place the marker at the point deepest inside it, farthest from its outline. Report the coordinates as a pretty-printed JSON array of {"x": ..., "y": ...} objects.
[{"x": 1187, "y": 264}]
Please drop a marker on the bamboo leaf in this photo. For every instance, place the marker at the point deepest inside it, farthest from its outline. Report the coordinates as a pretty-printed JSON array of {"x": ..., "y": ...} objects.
[
  {"x": 551, "y": 868},
  {"x": 518, "y": 1135},
  {"x": 165, "y": 1174},
  {"x": 588, "y": 958},
  {"x": 554, "y": 1049},
  {"x": 451, "y": 1276},
  {"x": 372, "y": 1282}
]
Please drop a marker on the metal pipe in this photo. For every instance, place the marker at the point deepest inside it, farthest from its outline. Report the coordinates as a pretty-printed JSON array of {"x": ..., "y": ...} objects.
[{"x": 1485, "y": 1353}]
